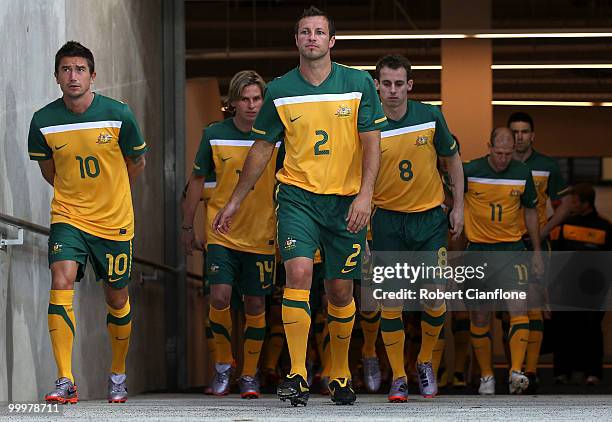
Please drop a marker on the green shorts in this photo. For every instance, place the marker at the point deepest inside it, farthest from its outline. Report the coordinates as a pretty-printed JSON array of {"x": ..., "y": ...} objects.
[
  {"x": 510, "y": 274},
  {"x": 251, "y": 274},
  {"x": 401, "y": 231},
  {"x": 111, "y": 259},
  {"x": 308, "y": 221},
  {"x": 418, "y": 232}
]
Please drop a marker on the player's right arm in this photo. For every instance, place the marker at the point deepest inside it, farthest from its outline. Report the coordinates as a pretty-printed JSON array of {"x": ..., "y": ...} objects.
[
  {"x": 254, "y": 165},
  {"x": 201, "y": 167}
]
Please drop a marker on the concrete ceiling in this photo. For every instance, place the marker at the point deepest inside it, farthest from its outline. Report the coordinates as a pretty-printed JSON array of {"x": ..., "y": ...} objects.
[{"x": 225, "y": 36}]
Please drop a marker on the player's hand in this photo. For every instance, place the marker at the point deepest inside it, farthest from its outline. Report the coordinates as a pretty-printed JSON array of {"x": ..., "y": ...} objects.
[
  {"x": 359, "y": 213},
  {"x": 188, "y": 241},
  {"x": 456, "y": 221},
  {"x": 223, "y": 220},
  {"x": 537, "y": 264}
]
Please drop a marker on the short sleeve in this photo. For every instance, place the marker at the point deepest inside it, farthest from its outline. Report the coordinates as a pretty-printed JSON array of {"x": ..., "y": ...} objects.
[
  {"x": 443, "y": 140},
  {"x": 203, "y": 164},
  {"x": 38, "y": 149},
  {"x": 529, "y": 199},
  {"x": 268, "y": 126},
  {"x": 371, "y": 114},
  {"x": 131, "y": 141},
  {"x": 556, "y": 184}
]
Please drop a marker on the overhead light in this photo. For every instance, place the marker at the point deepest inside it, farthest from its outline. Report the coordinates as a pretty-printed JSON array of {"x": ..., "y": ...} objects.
[
  {"x": 480, "y": 34},
  {"x": 532, "y": 66},
  {"x": 540, "y": 103},
  {"x": 552, "y": 66},
  {"x": 425, "y": 67}
]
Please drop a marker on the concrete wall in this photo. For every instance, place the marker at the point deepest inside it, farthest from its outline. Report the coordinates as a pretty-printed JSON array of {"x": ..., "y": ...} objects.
[{"x": 125, "y": 37}]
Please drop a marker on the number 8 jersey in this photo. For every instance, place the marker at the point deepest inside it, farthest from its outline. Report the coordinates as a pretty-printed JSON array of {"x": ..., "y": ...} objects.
[
  {"x": 321, "y": 126},
  {"x": 91, "y": 185}
]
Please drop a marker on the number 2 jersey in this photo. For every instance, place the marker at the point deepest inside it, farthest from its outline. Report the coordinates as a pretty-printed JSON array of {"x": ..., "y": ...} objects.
[
  {"x": 494, "y": 201},
  {"x": 321, "y": 126},
  {"x": 408, "y": 180},
  {"x": 91, "y": 185},
  {"x": 223, "y": 151}
]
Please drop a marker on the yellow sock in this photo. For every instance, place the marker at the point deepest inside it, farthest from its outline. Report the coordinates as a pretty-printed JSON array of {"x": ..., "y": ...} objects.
[
  {"x": 518, "y": 339},
  {"x": 254, "y": 334},
  {"x": 461, "y": 334},
  {"x": 274, "y": 347},
  {"x": 119, "y": 325},
  {"x": 340, "y": 320},
  {"x": 62, "y": 328},
  {"x": 536, "y": 334},
  {"x": 326, "y": 357},
  {"x": 392, "y": 331},
  {"x": 438, "y": 351},
  {"x": 211, "y": 346},
  {"x": 221, "y": 326},
  {"x": 296, "y": 322},
  {"x": 319, "y": 328},
  {"x": 481, "y": 343},
  {"x": 432, "y": 322},
  {"x": 370, "y": 323}
]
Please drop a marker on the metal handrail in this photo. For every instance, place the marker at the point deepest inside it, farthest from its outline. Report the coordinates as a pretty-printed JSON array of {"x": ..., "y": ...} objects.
[{"x": 36, "y": 228}]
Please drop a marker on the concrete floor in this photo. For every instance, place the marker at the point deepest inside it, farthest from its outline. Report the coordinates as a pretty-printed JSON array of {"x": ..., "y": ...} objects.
[{"x": 171, "y": 407}]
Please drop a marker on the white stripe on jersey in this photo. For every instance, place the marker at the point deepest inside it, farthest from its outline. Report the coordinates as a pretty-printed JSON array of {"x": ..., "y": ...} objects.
[
  {"x": 541, "y": 173},
  {"x": 496, "y": 181},
  {"x": 407, "y": 129},
  {"x": 317, "y": 98},
  {"x": 235, "y": 143},
  {"x": 80, "y": 126}
]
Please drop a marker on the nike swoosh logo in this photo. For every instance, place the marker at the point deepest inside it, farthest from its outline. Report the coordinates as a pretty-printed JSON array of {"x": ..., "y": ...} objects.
[
  {"x": 384, "y": 150},
  {"x": 391, "y": 344},
  {"x": 55, "y": 329},
  {"x": 225, "y": 159},
  {"x": 112, "y": 280},
  {"x": 302, "y": 389},
  {"x": 253, "y": 353},
  {"x": 345, "y": 271},
  {"x": 121, "y": 338},
  {"x": 293, "y": 120},
  {"x": 289, "y": 323},
  {"x": 343, "y": 338},
  {"x": 60, "y": 147}
]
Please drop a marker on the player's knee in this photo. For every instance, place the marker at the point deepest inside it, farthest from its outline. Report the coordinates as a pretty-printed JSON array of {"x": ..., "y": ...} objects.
[
  {"x": 479, "y": 320},
  {"x": 339, "y": 293},
  {"x": 116, "y": 298},
  {"x": 254, "y": 305},
  {"x": 299, "y": 276}
]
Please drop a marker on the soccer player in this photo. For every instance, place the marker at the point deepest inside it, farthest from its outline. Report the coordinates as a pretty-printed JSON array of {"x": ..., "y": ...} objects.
[
  {"x": 408, "y": 196},
  {"x": 498, "y": 189},
  {"x": 89, "y": 148},
  {"x": 549, "y": 184},
  {"x": 243, "y": 259},
  {"x": 331, "y": 118}
]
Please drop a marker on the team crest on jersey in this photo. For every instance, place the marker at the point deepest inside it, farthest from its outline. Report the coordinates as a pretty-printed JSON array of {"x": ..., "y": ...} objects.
[
  {"x": 289, "y": 244},
  {"x": 213, "y": 268},
  {"x": 421, "y": 140},
  {"x": 104, "y": 138},
  {"x": 56, "y": 248},
  {"x": 515, "y": 192},
  {"x": 343, "y": 111}
]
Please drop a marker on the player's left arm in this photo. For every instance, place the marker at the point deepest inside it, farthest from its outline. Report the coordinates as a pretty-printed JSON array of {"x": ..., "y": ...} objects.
[
  {"x": 456, "y": 182},
  {"x": 135, "y": 166},
  {"x": 132, "y": 144},
  {"x": 361, "y": 207},
  {"x": 529, "y": 200},
  {"x": 557, "y": 192}
]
